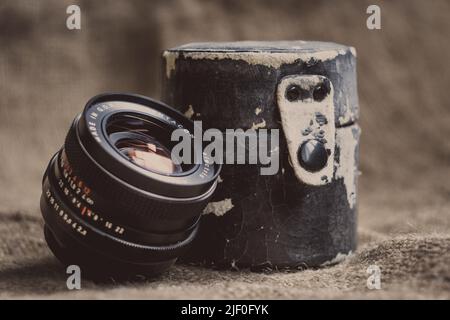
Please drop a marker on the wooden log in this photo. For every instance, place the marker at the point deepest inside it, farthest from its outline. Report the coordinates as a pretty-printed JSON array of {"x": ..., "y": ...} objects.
[{"x": 305, "y": 214}]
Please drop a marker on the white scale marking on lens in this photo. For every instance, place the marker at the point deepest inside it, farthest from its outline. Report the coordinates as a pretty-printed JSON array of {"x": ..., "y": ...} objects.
[{"x": 63, "y": 215}]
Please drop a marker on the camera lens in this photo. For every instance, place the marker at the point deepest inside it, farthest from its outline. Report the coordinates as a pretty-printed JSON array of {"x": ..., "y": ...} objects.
[{"x": 114, "y": 201}]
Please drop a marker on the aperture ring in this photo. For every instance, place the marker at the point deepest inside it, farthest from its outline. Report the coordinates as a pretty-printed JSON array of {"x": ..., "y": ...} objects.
[
  {"x": 56, "y": 212},
  {"x": 100, "y": 216}
]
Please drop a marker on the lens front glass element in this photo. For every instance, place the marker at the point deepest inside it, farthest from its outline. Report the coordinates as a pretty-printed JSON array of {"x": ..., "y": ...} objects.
[
  {"x": 149, "y": 154},
  {"x": 143, "y": 141}
]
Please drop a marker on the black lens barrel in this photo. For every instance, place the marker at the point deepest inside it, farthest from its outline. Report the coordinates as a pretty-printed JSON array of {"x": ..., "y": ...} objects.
[{"x": 107, "y": 214}]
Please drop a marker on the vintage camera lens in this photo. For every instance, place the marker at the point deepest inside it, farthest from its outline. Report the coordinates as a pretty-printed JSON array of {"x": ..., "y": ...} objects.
[{"x": 114, "y": 201}]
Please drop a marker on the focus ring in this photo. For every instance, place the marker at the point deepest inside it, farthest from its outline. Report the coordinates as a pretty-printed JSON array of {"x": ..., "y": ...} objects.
[{"x": 133, "y": 202}]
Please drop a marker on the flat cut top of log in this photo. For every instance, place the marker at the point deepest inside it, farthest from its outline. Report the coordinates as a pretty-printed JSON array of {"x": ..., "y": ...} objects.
[
  {"x": 253, "y": 68},
  {"x": 263, "y": 46}
]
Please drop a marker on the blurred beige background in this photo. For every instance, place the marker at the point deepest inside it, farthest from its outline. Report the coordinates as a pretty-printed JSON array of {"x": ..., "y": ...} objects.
[{"x": 47, "y": 73}]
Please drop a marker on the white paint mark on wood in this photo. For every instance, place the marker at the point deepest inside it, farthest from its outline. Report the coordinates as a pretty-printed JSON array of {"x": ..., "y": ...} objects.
[
  {"x": 189, "y": 112},
  {"x": 274, "y": 60},
  {"x": 259, "y": 125},
  {"x": 219, "y": 208},
  {"x": 171, "y": 58},
  {"x": 347, "y": 139}
]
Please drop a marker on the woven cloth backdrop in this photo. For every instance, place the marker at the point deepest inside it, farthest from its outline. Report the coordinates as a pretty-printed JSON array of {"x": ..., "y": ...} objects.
[{"x": 47, "y": 73}]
